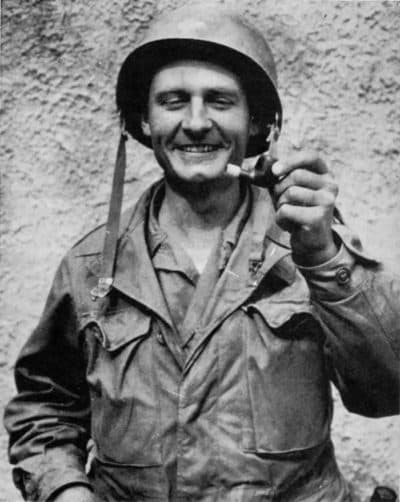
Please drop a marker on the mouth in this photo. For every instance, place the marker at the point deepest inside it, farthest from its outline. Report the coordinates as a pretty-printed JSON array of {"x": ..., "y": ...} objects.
[{"x": 199, "y": 148}]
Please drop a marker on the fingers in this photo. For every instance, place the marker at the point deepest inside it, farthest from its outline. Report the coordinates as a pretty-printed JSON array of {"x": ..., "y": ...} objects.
[
  {"x": 300, "y": 196},
  {"x": 307, "y": 179},
  {"x": 305, "y": 196},
  {"x": 290, "y": 216},
  {"x": 305, "y": 207},
  {"x": 297, "y": 160},
  {"x": 303, "y": 169}
]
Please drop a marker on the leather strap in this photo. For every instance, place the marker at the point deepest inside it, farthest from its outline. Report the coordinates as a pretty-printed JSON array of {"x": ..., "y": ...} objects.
[{"x": 112, "y": 227}]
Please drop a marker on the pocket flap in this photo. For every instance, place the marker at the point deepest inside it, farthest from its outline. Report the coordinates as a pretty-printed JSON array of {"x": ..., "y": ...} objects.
[
  {"x": 117, "y": 329},
  {"x": 282, "y": 305}
]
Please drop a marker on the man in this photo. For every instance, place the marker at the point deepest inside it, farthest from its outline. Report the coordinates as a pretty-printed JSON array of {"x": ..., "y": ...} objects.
[{"x": 197, "y": 358}]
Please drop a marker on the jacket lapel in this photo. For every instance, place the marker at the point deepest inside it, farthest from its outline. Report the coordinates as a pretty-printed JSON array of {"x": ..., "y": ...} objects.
[
  {"x": 134, "y": 275},
  {"x": 259, "y": 253},
  {"x": 261, "y": 246}
]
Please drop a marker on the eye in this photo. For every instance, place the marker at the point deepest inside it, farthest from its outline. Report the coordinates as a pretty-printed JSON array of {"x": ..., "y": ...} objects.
[
  {"x": 221, "y": 102},
  {"x": 172, "y": 101}
]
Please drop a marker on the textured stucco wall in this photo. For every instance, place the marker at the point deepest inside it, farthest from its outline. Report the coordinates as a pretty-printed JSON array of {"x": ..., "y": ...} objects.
[{"x": 339, "y": 69}]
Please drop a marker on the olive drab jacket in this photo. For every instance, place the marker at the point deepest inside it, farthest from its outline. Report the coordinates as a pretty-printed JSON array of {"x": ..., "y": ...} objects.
[{"x": 242, "y": 412}]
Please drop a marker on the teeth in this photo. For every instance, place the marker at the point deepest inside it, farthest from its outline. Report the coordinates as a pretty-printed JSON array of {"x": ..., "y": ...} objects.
[{"x": 198, "y": 148}]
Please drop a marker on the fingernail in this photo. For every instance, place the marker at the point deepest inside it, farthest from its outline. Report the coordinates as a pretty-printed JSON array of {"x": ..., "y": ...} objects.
[{"x": 277, "y": 168}]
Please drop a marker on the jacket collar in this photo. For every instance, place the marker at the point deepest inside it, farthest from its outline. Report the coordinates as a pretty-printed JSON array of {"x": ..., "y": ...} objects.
[
  {"x": 134, "y": 275},
  {"x": 262, "y": 251},
  {"x": 266, "y": 245}
]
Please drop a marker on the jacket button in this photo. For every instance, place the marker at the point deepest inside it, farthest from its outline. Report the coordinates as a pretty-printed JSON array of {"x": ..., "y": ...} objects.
[
  {"x": 343, "y": 275},
  {"x": 160, "y": 338}
]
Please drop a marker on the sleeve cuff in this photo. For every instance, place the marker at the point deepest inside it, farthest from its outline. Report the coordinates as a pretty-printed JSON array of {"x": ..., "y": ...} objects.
[
  {"x": 42, "y": 476},
  {"x": 341, "y": 276}
]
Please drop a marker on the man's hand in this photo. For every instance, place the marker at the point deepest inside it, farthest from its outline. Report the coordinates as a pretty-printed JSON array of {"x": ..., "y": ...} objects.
[
  {"x": 75, "y": 494},
  {"x": 305, "y": 198}
]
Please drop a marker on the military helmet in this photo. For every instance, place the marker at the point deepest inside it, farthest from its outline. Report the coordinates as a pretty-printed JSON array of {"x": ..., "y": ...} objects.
[{"x": 206, "y": 32}]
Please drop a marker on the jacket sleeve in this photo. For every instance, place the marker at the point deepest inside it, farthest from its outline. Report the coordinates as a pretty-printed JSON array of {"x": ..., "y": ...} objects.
[
  {"x": 48, "y": 421},
  {"x": 358, "y": 303}
]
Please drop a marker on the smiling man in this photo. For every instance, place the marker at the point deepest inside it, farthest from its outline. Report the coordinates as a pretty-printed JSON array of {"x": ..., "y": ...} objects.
[
  {"x": 192, "y": 354},
  {"x": 198, "y": 120}
]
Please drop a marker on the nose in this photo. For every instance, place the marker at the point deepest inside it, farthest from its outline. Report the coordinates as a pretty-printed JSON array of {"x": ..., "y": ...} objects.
[{"x": 196, "y": 120}]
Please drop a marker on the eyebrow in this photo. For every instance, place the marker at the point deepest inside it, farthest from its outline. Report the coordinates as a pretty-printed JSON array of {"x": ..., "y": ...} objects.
[
  {"x": 212, "y": 91},
  {"x": 223, "y": 90}
]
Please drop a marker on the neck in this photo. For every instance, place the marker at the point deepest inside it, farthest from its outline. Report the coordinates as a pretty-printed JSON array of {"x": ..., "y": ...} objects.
[{"x": 203, "y": 208}]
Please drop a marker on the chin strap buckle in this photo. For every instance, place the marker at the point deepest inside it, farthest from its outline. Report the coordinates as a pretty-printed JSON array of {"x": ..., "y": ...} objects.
[{"x": 102, "y": 289}]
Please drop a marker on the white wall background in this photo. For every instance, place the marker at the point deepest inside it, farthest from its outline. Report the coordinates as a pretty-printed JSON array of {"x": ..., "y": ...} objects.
[{"x": 339, "y": 74}]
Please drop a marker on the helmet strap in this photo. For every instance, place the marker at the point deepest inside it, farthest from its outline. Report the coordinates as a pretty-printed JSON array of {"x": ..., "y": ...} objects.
[{"x": 106, "y": 276}]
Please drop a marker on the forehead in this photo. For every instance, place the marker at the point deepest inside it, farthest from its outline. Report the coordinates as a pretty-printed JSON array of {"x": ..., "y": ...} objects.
[{"x": 194, "y": 74}]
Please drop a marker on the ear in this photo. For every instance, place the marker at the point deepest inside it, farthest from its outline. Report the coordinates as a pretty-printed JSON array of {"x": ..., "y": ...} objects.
[{"x": 145, "y": 126}]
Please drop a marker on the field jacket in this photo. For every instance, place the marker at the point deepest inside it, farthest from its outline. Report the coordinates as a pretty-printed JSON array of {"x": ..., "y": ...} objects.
[{"x": 245, "y": 407}]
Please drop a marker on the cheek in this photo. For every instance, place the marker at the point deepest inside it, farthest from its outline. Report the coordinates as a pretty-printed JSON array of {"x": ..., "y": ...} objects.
[
  {"x": 156, "y": 126},
  {"x": 238, "y": 124},
  {"x": 162, "y": 124},
  {"x": 241, "y": 134}
]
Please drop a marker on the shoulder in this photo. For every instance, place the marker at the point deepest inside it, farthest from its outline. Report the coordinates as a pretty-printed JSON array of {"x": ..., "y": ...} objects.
[{"x": 92, "y": 242}]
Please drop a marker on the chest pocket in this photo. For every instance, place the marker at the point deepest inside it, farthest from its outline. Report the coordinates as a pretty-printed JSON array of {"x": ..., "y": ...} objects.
[
  {"x": 121, "y": 376},
  {"x": 288, "y": 393}
]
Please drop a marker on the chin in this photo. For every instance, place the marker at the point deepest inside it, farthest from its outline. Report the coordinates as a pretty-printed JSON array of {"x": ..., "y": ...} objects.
[
  {"x": 199, "y": 184},
  {"x": 202, "y": 174}
]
